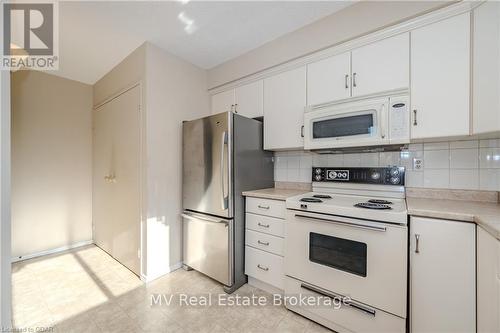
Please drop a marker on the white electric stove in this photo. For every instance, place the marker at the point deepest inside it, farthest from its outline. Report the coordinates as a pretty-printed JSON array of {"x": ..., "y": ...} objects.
[{"x": 348, "y": 240}]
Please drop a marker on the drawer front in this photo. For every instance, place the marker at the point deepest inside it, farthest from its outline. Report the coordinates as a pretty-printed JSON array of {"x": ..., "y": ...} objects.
[
  {"x": 345, "y": 318},
  {"x": 275, "y": 208},
  {"x": 264, "y": 242},
  {"x": 264, "y": 266},
  {"x": 265, "y": 224}
]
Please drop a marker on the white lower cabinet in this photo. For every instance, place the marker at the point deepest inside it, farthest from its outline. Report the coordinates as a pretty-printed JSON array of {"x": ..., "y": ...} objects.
[
  {"x": 442, "y": 276},
  {"x": 264, "y": 238},
  {"x": 488, "y": 282}
]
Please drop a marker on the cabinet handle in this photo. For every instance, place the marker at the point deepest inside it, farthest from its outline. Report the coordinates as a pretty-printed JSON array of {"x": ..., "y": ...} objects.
[
  {"x": 417, "y": 239},
  {"x": 263, "y": 243},
  {"x": 263, "y": 207},
  {"x": 263, "y": 268},
  {"x": 235, "y": 108},
  {"x": 347, "y": 81},
  {"x": 415, "y": 117},
  {"x": 302, "y": 131},
  {"x": 354, "y": 80},
  {"x": 263, "y": 225}
]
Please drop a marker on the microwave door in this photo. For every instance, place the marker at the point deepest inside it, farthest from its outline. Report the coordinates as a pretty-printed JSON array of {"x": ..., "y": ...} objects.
[
  {"x": 345, "y": 126},
  {"x": 349, "y": 127}
]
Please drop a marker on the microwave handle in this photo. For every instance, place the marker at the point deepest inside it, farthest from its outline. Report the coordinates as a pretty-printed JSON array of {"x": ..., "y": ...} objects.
[{"x": 383, "y": 122}]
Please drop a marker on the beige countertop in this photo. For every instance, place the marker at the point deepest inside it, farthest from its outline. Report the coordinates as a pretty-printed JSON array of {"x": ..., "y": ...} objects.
[
  {"x": 274, "y": 193},
  {"x": 485, "y": 214}
]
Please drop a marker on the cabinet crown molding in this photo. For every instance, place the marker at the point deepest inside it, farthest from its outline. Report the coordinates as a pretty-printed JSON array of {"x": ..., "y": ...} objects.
[{"x": 349, "y": 45}]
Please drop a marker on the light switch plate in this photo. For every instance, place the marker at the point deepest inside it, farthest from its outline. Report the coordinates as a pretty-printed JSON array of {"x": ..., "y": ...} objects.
[{"x": 418, "y": 164}]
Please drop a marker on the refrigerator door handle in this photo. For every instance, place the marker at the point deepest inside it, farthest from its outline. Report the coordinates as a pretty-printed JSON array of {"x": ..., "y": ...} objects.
[
  {"x": 223, "y": 191},
  {"x": 205, "y": 219}
]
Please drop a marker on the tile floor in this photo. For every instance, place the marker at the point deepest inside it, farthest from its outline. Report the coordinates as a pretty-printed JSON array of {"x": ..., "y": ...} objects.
[{"x": 85, "y": 290}]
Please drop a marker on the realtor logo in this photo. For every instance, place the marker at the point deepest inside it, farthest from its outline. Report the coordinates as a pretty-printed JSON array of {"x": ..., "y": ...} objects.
[{"x": 29, "y": 36}]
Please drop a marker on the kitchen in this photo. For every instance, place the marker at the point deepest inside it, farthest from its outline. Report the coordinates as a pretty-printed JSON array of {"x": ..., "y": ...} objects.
[{"x": 366, "y": 173}]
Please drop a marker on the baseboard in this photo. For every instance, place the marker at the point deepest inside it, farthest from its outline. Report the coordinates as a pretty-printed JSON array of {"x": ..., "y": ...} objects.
[
  {"x": 174, "y": 267},
  {"x": 52, "y": 251},
  {"x": 264, "y": 286}
]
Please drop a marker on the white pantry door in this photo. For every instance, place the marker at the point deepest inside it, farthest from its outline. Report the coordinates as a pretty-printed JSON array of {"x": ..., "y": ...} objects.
[{"x": 116, "y": 178}]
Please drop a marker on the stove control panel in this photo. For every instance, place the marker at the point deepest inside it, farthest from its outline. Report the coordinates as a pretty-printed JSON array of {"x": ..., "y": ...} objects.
[{"x": 382, "y": 176}]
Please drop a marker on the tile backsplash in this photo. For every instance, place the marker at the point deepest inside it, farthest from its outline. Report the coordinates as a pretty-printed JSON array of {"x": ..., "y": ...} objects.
[{"x": 470, "y": 165}]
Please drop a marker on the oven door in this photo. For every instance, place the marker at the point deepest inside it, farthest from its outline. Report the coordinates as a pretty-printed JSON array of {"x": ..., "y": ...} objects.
[
  {"x": 347, "y": 125},
  {"x": 364, "y": 260}
]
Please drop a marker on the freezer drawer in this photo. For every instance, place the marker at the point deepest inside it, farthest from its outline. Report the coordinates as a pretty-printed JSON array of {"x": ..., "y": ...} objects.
[{"x": 207, "y": 245}]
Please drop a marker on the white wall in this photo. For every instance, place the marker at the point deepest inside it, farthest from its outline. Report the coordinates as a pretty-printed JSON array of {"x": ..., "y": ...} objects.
[
  {"x": 51, "y": 162},
  {"x": 351, "y": 22},
  {"x": 173, "y": 90},
  {"x": 5, "y": 223},
  {"x": 466, "y": 165},
  {"x": 176, "y": 91}
]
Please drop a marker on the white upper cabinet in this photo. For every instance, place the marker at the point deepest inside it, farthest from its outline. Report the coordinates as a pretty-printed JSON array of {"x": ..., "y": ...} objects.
[
  {"x": 374, "y": 68},
  {"x": 486, "y": 68},
  {"x": 440, "y": 78},
  {"x": 284, "y": 103},
  {"x": 329, "y": 79},
  {"x": 381, "y": 66},
  {"x": 223, "y": 101},
  {"x": 246, "y": 100},
  {"x": 249, "y": 99},
  {"x": 443, "y": 276}
]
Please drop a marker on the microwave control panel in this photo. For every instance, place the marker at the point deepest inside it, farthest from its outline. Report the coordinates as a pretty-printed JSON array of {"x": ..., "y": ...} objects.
[
  {"x": 383, "y": 176},
  {"x": 399, "y": 119}
]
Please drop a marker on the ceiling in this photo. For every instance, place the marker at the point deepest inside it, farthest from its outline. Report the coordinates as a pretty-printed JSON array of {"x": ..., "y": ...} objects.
[{"x": 96, "y": 36}]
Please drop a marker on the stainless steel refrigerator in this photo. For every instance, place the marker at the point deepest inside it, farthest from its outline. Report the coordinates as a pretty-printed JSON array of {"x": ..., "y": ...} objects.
[{"x": 222, "y": 157}]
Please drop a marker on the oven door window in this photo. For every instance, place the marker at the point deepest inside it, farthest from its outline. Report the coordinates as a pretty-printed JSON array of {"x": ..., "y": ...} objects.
[
  {"x": 343, "y": 126},
  {"x": 343, "y": 254}
]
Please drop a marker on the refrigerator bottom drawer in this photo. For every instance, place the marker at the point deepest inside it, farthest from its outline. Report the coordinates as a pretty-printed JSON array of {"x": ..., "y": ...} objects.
[{"x": 207, "y": 246}]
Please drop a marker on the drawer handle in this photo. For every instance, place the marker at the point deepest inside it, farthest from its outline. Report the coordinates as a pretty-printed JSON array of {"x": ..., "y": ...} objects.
[
  {"x": 263, "y": 243},
  {"x": 263, "y": 207},
  {"x": 263, "y": 225},
  {"x": 263, "y": 268}
]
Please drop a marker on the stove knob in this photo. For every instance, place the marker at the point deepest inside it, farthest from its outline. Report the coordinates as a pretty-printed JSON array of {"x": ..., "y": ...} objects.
[
  {"x": 318, "y": 177},
  {"x": 394, "y": 172},
  {"x": 318, "y": 171},
  {"x": 395, "y": 180}
]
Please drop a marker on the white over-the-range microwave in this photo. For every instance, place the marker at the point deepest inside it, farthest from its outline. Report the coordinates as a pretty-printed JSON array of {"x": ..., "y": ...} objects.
[{"x": 370, "y": 122}]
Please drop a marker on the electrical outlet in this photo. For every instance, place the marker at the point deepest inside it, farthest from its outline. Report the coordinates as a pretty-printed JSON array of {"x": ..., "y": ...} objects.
[{"x": 418, "y": 164}]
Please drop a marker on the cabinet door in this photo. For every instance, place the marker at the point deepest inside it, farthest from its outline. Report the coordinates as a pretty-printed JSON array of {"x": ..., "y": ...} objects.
[
  {"x": 488, "y": 283},
  {"x": 116, "y": 194},
  {"x": 442, "y": 278},
  {"x": 223, "y": 101},
  {"x": 329, "y": 79},
  {"x": 249, "y": 99},
  {"x": 440, "y": 78},
  {"x": 381, "y": 66},
  {"x": 486, "y": 62},
  {"x": 284, "y": 102}
]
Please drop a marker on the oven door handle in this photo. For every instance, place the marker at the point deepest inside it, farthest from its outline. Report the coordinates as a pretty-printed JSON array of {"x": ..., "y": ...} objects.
[
  {"x": 349, "y": 303},
  {"x": 349, "y": 224}
]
